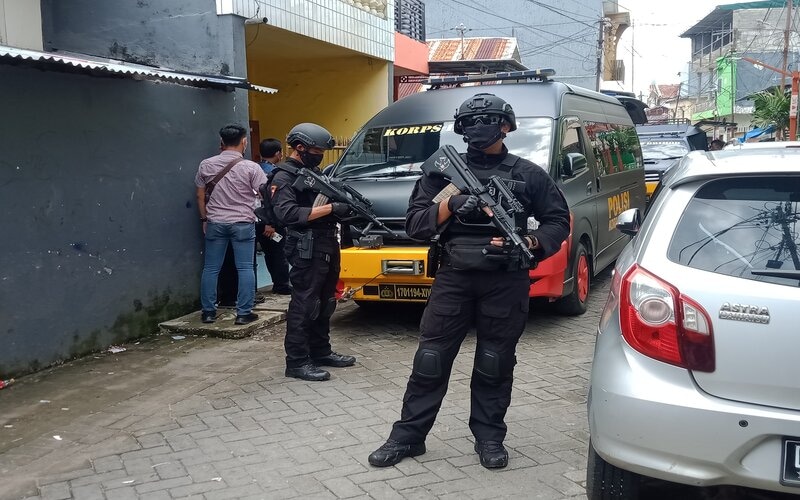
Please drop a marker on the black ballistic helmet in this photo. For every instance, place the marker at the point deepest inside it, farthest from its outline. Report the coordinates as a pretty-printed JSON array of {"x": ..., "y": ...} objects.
[
  {"x": 310, "y": 135},
  {"x": 483, "y": 104}
]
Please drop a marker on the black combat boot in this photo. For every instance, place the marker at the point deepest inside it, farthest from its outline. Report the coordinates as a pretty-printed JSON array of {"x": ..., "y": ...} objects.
[
  {"x": 335, "y": 360},
  {"x": 392, "y": 452},
  {"x": 309, "y": 372},
  {"x": 493, "y": 454}
]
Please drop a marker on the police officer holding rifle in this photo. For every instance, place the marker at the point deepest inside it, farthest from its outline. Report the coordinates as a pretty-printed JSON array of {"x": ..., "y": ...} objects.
[
  {"x": 478, "y": 205},
  {"x": 305, "y": 202}
]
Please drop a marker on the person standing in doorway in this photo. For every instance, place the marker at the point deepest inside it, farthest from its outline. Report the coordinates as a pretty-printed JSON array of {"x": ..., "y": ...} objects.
[
  {"x": 227, "y": 216},
  {"x": 273, "y": 246}
]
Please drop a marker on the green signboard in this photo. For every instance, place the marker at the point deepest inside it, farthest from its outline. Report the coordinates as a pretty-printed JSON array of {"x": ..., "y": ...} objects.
[{"x": 726, "y": 92}]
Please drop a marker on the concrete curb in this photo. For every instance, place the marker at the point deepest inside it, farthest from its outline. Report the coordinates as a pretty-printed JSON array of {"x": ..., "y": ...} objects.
[{"x": 271, "y": 312}]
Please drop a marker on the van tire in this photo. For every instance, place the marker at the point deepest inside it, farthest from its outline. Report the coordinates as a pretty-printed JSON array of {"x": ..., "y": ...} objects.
[
  {"x": 575, "y": 303},
  {"x": 608, "y": 482}
]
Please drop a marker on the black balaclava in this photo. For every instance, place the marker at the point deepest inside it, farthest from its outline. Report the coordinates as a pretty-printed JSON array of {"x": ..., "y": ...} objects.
[{"x": 481, "y": 136}]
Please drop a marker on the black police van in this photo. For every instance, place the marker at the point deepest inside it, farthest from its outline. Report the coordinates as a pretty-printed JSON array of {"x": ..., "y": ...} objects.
[{"x": 585, "y": 140}]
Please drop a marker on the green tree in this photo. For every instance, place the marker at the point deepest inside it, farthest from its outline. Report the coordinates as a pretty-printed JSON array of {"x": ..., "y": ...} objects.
[{"x": 771, "y": 107}]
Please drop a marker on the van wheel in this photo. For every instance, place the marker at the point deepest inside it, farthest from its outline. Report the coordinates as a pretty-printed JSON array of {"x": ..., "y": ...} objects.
[
  {"x": 575, "y": 303},
  {"x": 608, "y": 482}
]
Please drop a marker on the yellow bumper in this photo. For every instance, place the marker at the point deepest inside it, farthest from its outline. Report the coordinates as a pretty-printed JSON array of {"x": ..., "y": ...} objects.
[
  {"x": 651, "y": 187},
  {"x": 388, "y": 274}
]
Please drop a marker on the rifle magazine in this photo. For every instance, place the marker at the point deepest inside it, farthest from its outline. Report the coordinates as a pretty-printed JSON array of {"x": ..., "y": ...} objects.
[
  {"x": 448, "y": 191},
  {"x": 320, "y": 200}
]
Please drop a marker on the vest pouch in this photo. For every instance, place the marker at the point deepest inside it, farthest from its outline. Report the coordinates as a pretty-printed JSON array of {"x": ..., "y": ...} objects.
[{"x": 466, "y": 254}]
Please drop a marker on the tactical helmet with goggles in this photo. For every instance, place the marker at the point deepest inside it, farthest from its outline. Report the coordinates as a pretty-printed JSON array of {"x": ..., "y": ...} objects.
[
  {"x": 310, "y": 135},
  {"x": 486, "y": 109}
]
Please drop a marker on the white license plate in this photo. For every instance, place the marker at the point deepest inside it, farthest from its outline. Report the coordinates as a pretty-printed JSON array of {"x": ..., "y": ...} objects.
[{"x": 790, "y": 471}]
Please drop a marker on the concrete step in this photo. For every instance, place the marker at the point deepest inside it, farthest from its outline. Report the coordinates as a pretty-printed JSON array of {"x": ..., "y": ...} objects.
[{"x": 272, "y": 311}]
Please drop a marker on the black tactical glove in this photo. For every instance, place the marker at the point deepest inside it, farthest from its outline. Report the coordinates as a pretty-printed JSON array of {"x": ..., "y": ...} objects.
[
  {"x": 340, "y": 210},
  {"x": 493, "y": 252},
  {"x": 462, "y": 204}
]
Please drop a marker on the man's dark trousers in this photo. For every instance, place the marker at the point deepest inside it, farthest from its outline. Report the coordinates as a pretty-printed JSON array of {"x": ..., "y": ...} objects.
[
  {"x": 313, "y": 300},
  {"x": 496, "y": 302},
  {"x": 275, "y": 259}
]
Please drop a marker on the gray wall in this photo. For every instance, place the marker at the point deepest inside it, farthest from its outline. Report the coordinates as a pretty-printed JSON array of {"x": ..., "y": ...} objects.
[
  {"x": 101, "y": 236},
  {"x": 546, "y": 39},
  {"x": 179, "y": 34}
]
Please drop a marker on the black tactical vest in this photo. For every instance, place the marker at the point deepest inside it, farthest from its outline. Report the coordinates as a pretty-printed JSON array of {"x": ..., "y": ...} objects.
[{"x": 478, "y": 224}]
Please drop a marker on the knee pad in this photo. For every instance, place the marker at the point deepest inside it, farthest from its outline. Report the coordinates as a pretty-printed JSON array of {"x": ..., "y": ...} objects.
[
  {"x": 314, "y": 310},
  {"x": 488, "y": 363},
  {"x": 428, "y": 364},
  {"x": 330, "y": 306}
]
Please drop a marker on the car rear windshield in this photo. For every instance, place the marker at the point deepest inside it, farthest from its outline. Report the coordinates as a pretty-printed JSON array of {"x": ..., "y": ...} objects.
[
  {"x": 400, "y": 150},
  {"x": 743, "y": 227},
  {"x": 663, "y": 149}
]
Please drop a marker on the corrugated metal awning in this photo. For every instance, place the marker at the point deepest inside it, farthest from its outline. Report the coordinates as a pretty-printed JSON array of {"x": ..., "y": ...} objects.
[{"x": 59, "y": 61}]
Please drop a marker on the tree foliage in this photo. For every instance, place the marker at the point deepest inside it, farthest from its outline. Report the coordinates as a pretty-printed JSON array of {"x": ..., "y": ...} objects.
[{"x": 771, "y": 107}]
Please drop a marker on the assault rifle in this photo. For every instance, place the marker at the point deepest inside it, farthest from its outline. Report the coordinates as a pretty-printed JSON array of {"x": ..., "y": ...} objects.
[
  {"x": 447, "y": 163},
  {"x": 333, "y": 191}
]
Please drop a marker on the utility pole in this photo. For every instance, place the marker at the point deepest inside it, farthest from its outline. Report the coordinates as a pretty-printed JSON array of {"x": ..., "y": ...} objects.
[
  {"x": 600, "y": 53},
  {"x": 633, "y": 57},
  {"x": 461, "y": 29},
  {"x": 786, "y": 43}
]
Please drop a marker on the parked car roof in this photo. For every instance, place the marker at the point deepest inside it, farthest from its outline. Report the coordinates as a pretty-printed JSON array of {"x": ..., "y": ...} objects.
[{"x": 699, "y": 165}]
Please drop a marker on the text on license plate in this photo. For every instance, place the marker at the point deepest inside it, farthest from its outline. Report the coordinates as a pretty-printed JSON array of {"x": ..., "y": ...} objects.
[
  {"x": 404, "y": 292},
  {"x": 790, "y": 473}
]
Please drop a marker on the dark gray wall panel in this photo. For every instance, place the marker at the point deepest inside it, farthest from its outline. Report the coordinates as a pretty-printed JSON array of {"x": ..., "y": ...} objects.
[{"x": 101, "y": 238}]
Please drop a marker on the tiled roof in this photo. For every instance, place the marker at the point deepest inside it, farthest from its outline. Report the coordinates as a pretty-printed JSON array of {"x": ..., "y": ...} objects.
[{"x": 669, "y": 91}]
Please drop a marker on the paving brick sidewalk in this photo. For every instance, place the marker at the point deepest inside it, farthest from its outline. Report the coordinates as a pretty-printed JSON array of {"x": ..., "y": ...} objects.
[{"x": 211, "y": 418}]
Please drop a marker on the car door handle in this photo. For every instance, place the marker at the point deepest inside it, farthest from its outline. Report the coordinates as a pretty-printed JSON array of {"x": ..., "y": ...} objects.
[{"x": 589, "y": 187}]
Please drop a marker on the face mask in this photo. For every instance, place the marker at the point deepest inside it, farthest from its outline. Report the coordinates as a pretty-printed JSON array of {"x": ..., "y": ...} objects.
[
  {"x": 482, "y": 136},
  {"x": 311, "y": 160}
]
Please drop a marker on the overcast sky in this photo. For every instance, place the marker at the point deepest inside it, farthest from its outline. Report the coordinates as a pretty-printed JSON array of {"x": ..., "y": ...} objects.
[{"x": 659, "y": 54}]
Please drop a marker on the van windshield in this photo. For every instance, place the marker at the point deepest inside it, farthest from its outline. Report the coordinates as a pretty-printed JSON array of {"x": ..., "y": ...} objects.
[
  {"x": 661, "y": 149},
  {"x": 397, "y": 151}
]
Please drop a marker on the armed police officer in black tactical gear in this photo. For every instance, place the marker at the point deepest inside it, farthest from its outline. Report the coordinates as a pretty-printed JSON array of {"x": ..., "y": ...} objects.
[
  {"x": 312, "y": 249},
  {"x": 482, "y": 279}
]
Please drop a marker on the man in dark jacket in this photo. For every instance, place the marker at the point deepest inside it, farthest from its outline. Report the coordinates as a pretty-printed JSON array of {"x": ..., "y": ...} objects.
[
  {"x": 312, "y": 249},
  {"x": 481, "y": 280}
]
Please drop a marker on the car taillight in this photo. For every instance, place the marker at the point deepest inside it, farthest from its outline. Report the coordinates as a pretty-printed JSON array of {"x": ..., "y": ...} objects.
[
  {"x": 659, "y": 322},
  {"x": 339, "y": 289}
]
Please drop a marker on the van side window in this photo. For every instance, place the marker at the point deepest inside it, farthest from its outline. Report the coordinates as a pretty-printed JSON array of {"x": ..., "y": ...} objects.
[
  {"x": 571, "y": 139},
  {"x": 616, "y": 147}
]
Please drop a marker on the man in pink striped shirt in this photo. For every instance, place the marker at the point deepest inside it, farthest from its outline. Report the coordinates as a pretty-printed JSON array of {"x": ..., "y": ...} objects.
[{"x": 228, "y": 217}]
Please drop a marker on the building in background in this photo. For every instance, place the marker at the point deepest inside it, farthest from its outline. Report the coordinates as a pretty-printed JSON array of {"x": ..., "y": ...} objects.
[
  {"x": 720, "y": 81},
  {"x": 562, "y": 37},
  {"x": 331, "y": 59}
]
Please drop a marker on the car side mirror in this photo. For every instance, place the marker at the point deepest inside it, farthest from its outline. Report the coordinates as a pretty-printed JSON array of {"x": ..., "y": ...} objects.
[
  {"x": 327, "y": 171},
  {"x": 573, "y": 162},
  {"x": 629, "y": 221}
]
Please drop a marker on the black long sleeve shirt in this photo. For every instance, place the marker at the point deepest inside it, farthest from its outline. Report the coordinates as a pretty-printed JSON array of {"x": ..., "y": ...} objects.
[
  {"x": 538, "y": 194},
  {"x": 292, "y": 206}
]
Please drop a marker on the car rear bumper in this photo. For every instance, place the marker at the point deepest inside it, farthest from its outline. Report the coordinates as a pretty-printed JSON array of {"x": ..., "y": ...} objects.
[{"x": 649, "y": 417}]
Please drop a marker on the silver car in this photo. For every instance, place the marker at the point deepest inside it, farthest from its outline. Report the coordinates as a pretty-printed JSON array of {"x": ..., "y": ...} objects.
[{"x": 696, "y": 373}]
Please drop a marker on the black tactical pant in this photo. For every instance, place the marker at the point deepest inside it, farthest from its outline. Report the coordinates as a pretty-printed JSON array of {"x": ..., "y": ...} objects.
[
  {"x": 496, "y": 302},
  {"x": 313, "y": 300}
]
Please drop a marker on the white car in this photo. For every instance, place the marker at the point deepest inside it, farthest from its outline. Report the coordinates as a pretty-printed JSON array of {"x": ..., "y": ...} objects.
[{"x": 696, "y": 373}]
